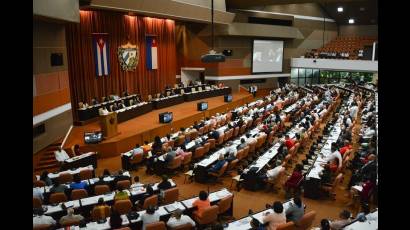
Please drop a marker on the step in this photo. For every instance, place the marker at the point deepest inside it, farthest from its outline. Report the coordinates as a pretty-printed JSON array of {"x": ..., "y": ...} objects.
[
  {"x": 45, "y": 158},
  {"x": 44, "y": 167},
  {"x": 53, "y": 161}
]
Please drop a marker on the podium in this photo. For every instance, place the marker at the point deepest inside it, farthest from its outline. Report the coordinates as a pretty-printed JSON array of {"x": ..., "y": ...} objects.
[{"x": 109, "y": 124}]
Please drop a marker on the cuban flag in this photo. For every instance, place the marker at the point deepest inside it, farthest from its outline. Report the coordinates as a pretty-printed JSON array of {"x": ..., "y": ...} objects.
[
  {"x": 101, "y": 54},
  {"x": 152, "y": 53}
]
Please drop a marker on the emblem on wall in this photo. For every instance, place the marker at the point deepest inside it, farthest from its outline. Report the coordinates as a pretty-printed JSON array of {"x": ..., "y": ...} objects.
[{"x": 128, "y": 56}]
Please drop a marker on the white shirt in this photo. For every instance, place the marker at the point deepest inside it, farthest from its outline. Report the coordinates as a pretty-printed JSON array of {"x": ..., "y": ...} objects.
[
  {"x": 322, "y": 112},
  {"x": 61, "y": 156},
  {"x": 334, "y": 155},
  {"x": 353, "y": 111},
  {"x": 348, "y": 122},
  {"x": 38, "y": 192},
  {"x": 137, "y": 151},
  {"x": 273, "y": 173},
  {"x": 369, "y": 133},
  {"x": 174, "y": 222},
  {"x": 40, "y": 220},
  {"x": 231, "y": 149},
  {"x": 147, "y": 219}
]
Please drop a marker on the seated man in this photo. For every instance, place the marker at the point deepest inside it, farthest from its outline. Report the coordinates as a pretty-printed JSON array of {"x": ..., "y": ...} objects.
[
  {"x": 289, "y": 142},
  {"x": 292, "y": 182},
  {"x": 41, "y": 219},
  {"x": 295, "y": 211},
  {"x": 122, "y": 194},
  {"x": 61, "y": 155},
  {"x": 70, "y": 217},
  {"x": 218, "y": 165},
  {"x": 138, "y": 150},
  {"x": 57, "y": 187},
  {"x": 78, "y": 184},
  {"x": 178, "y": 219},
  {"x": 242, "y": 145},
  {"x": 335, "y": 155},
  {"x": 230, "y": 151}
]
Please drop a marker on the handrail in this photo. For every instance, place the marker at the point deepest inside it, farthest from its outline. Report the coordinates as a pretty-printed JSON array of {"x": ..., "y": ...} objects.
[{"x": 65, "y": 138}]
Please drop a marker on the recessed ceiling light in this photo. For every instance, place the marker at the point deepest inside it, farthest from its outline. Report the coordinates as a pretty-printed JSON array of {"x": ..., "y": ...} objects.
[
  {"x": 361, "y": 8},
  {"x": 351, "y": 21},
  {"x": 339, "y": 9}
]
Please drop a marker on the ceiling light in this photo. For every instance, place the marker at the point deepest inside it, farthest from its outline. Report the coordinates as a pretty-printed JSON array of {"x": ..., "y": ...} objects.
[
  {"x": 339, "y": 9},
  {"x": 351, "y": 21},
  {"x": 361, "y": 8}
]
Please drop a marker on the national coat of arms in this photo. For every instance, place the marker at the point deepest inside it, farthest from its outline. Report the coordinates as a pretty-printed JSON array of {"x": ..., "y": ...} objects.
[{"x": 128, "y": 56}]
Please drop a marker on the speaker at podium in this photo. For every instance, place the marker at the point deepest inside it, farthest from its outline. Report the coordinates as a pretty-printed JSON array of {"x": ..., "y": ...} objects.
[{"x": 109, "y": 124}]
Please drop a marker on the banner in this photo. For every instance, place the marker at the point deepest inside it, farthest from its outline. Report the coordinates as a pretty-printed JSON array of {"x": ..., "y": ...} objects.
[
  {"x": 152, "y": 53},
  {"x": 101, "y": 54}
]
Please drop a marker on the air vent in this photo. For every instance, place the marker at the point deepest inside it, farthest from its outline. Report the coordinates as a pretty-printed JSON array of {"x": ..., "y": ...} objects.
[
  {"x": 270, "y": 21},
  {"x": 38, "y": 130}
]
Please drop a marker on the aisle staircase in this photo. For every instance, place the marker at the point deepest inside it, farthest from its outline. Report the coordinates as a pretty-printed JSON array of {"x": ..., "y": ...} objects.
[{"x": 45, "y": 160}]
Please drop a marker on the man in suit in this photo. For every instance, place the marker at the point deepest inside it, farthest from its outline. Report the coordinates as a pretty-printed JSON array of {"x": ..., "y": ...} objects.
[
  {"x": 218, "y": 165},
  {"x": 368, "y": 169},
  {"x": 214, "y": 134},
  {"x": 94, "y": 101}
]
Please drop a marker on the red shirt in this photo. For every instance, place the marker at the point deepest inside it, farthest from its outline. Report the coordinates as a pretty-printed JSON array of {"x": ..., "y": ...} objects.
[
  {"x": 289, "y": 143},
  {"x": 294, "y": 179},
  {"x": 345, "y": 149}
]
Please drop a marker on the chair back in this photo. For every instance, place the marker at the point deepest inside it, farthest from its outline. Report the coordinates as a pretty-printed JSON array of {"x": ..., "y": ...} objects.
[
  {"x": 297, "y": 145},
  {"x": 97, "y": 214},
  {"x": 176, "y": 163},
  {"x": 57, "y": 197},
  {"x": 271, "y": 137},
  {"x": 37, "y": 203},
  {"x": 259, "y": 142},
  {"x": 212, "y": 143},
  {"x": 252, "y": 147},
  {"x": 245, "y": 151},
  {"x": 160, "y": 225},
  {"x": 223, "y": 169},
  {"x": 199, "y": 152},
  {"x": 207, "y": 146},
  {"x": 306, "y": 220},
  {"x": 171, "y": 195},
  {"x": 242, "y": 129},
  {"x": 187, "y": 158},
  {"x": 101, "y": 189},
  {"x": 240, "y": 154},
  {"x": 39, "y": 183},
  {"x": 194, "y": 135},
  {"x": 43, "y": 227},
  {"x": 86, "y": 174},
  {"x": 206, "y": 129},
  {"x": 225, "y": 204},
  {"x": 77, "y": 194},
  {"x": 287, "y": 226},
  {"x": 201, "y": 131},
  {"x": 64, "y": 178},
  {"x": 152, "y": 200},
  {"x": 137, "y": 159},
  {"x": 181, "y": 140},
  {"x": 187, "y": 226},
  {"x": 236, "y": 131},
  {"x": 221, "y": 139},
  {"x": 171, "y": 143},
  {"x": 70, "y": 223},
  {"x": 126, "y": 184},
  {"x": 123, "y": 206},
  {"x": 232, "y": 165},
  {"x": 209, "y": 215}
]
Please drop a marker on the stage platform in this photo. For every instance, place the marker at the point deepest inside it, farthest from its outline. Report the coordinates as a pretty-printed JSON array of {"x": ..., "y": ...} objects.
[{"x": 147, "y": 126}]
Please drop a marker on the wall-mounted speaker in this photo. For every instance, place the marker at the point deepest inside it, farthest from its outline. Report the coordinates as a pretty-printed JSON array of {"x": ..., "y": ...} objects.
[
  {"x": 56, "y": 59},
  {"x": 227, "y": 53}
]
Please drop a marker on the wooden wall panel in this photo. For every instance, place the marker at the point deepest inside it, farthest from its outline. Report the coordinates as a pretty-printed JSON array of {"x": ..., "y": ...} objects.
[{"x": 45, "y": 102}]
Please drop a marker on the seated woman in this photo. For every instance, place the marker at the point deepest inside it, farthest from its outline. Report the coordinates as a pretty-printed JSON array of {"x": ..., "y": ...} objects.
[
  {"x": 292, "y": 183},
  {"x": 122, "y": 194},
  {"x": 201, "y": 203},
  {"x": 101, "y": 208}
]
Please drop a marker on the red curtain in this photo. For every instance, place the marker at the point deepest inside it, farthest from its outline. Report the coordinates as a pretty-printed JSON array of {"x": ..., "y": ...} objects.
[{"x": 85, "y": 85}]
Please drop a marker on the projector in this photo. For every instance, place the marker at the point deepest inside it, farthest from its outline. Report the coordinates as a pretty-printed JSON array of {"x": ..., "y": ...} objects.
[{"x": 213, "y": 57}]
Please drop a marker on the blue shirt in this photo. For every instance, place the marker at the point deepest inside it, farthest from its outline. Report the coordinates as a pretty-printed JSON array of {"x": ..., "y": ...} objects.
[{"x": 81, "y": 185}]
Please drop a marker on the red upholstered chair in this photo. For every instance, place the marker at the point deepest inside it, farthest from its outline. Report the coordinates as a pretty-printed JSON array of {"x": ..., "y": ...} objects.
[
  {"x": 123, "y": 206},
  {"x": 39, "y": 183},
  {"x": 160, "y": 225},
  {"x": 78, "y": 194},
  {"x": 126, "y": 184},
  {"x": 170, "y": 195},
  {"x": 57, "y": 197},
  {"x": 152, "y": 200},
  {"x": 86, "y": 174},
  {"x": 37, "y": 203},
  {"x": 209, "y": 215},
  {"x": 199, "y": 152},
  {"x": 65, "y": 178},
  {"x": 101, "y": 189}
]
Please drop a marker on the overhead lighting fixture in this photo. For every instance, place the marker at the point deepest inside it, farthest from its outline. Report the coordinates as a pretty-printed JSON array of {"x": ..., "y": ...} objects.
[
  {"x": 339, "y": 9},
  {"x": 362, "y": 9},
  {"x": 351, "y": 21}
]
